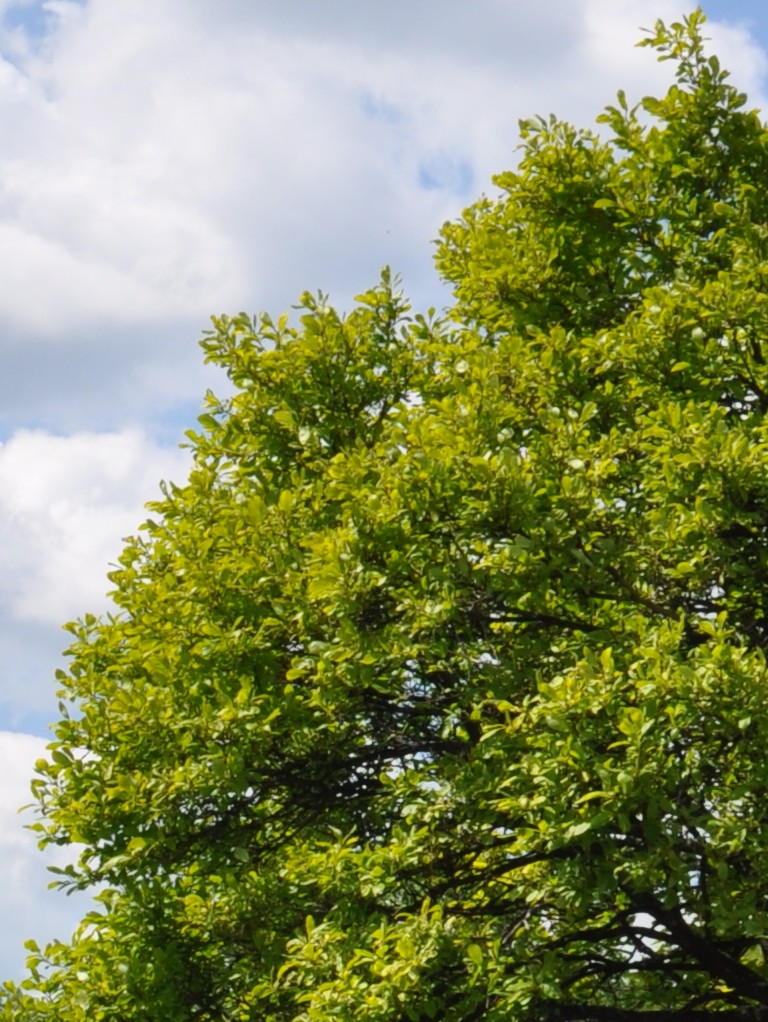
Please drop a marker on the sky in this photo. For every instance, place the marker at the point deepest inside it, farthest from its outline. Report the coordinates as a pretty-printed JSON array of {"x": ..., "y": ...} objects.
[{"x": 166, "y": 160}]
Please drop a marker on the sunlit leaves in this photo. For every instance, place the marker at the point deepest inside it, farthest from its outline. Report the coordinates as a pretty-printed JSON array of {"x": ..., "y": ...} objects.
[{"x": 438, "y": 690}]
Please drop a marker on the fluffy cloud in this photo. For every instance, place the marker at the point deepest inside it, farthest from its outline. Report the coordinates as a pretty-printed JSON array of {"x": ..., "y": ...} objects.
[
  {"x": 608, "y": 45},
  {"x": 27, "y": 908},
  {"x": 66, "y": 503},
  {"x": 168, "y": 159}
]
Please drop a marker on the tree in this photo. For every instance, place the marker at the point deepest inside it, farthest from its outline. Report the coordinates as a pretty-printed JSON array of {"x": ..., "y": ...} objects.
[{"x": 438, "y": 691}]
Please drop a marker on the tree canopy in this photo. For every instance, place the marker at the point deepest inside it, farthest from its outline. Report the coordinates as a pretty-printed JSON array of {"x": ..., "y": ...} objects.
[{"x": 439, "y": 690}]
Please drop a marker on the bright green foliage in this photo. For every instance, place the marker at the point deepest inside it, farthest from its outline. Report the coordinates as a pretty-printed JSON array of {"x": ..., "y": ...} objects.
[{"x": 439, "y": 690}]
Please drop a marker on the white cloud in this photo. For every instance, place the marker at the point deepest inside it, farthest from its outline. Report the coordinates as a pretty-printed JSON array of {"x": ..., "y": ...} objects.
[
  {"x": 612, "y": 28},
  {"x": 165, "y": 160},
  {"x": 28, "y": 910},
  {"x": 66, "y": 504}
]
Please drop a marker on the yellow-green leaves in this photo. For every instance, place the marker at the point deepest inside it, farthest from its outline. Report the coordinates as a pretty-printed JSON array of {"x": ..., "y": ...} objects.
[{"x": 438, "y": 691}]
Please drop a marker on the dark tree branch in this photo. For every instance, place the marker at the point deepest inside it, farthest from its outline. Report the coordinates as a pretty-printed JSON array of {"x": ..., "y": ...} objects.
[
  {"x": 717, "y": 962},
  {"x": 552, "y": 1011}
]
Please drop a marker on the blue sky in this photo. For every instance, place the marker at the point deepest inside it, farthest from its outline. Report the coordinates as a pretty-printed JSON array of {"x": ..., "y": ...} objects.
[
  {"x": 34, "y": 17},
  {"x": 749, "y": 13},
  {"x": 164, "y": 160}
]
